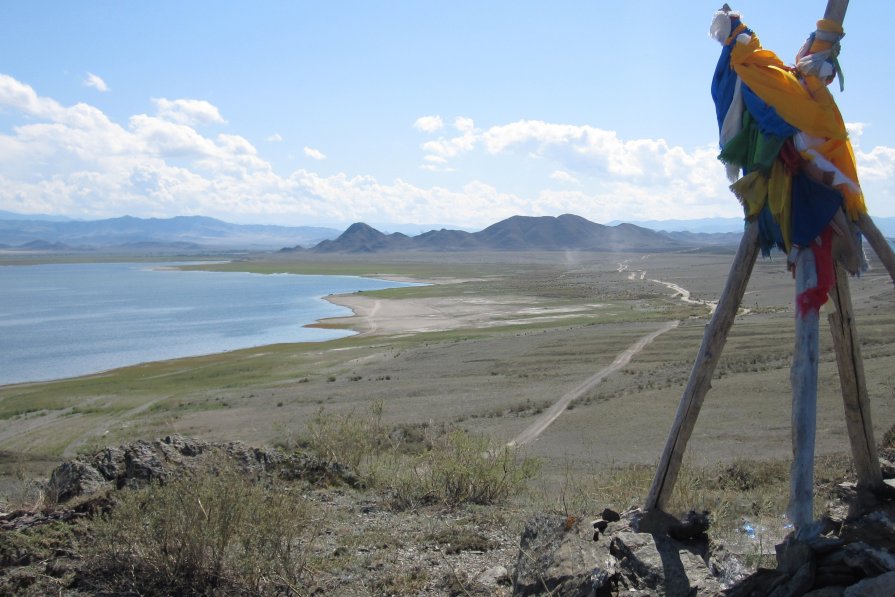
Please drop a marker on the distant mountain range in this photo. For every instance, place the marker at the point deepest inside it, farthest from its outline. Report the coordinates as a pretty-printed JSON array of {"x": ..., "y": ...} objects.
[
  {"x": 520, "y": 233},
  {"x": 183, "y": 233},
  {"x": 186, "y": 234}
]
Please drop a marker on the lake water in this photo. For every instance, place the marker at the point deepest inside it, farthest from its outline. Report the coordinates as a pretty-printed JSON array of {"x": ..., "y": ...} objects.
[{"x": 65, "y": 320}]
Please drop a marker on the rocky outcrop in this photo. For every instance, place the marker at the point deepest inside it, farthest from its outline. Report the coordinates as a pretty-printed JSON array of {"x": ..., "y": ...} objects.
[
  {"x": 561, "y": 555},
  {"x": 136, "y": 464}
]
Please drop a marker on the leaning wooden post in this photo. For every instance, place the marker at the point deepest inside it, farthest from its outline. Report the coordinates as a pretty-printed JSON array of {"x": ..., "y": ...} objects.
[
  {"x": 701, "y": 375},
  {"x": 879, "y": 243},
  {"x": 854, "y": 386}
]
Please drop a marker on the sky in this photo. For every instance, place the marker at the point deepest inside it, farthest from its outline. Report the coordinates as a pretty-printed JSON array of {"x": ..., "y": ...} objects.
[{"x": 444, "y": 113}]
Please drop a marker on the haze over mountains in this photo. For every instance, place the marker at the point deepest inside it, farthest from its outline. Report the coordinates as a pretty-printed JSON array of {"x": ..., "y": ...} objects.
[
  {"x": 518, "y": 233},
  {"x": 134, "y": 234}
]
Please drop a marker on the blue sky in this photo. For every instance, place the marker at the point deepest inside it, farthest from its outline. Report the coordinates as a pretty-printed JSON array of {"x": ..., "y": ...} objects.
[{"x": 451, "y": 113}]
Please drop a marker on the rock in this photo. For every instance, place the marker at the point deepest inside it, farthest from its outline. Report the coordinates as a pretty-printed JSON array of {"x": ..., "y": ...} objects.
[
  {"x": 493, "y": 577},
  {"x": 72, "y": 479},
  {"x": 136, "y": 464},
  {"x": 873, "y": 587},
  {"x": 887, "y": 468},
  {"x": 610, "y": 515},
  {"x": 663, "y": 565},
  {"x": 557, "y": 555},
  {"x": 834, "y": 591},
  {"x": 876, "y": 528},
  {"x": 871, "y": 561},
  {"x": 799, "y": 584},
  {"x": 693, "y": 525},
  {"x": 760, "y": 583},
  {"x": 793, "y": 554}
]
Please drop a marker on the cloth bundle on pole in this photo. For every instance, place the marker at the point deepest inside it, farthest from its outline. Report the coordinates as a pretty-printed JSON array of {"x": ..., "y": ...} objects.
[
  {"x": 792, "y": 167},
  {"x": 780, "y": 127}
]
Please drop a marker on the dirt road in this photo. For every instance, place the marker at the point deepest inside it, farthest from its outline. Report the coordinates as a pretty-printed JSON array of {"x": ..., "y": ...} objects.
[{"x": 532, "y": 432}]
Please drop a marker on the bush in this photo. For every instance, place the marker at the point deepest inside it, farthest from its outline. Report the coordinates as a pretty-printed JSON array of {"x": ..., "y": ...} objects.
[
  {"x": 346, "y": 438},
  {"x": 460, "y": 469},
  {"x": 213, "y": 532}
]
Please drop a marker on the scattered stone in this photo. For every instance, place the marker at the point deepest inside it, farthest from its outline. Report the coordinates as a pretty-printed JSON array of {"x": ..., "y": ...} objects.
[{"x": 493, "y": 577}]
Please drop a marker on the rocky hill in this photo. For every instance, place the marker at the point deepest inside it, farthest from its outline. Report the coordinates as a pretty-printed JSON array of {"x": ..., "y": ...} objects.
[
  {"x": 518, "y": 233},
  {"x": 184, "y": 516}
]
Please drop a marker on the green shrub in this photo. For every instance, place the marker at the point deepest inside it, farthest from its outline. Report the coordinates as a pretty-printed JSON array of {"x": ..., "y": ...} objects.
[
  {"x": 459, "y": 469},
  {"x": 213, "y": 532},
  {"x": 346, "y": 438}
]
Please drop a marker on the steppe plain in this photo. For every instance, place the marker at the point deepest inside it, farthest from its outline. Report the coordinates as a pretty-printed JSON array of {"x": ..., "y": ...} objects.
[{"x": 488, "y": 345}]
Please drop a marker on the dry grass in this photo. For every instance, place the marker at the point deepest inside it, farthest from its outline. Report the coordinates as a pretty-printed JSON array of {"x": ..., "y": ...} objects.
[{"x": 215, "y": 532}]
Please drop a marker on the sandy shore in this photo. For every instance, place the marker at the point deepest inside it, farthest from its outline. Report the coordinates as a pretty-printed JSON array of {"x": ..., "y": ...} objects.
[{"x": 414, "y": 315}]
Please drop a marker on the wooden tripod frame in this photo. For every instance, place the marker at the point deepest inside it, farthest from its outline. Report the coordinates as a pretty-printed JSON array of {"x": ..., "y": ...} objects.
[{"x": 851, "y": 375}]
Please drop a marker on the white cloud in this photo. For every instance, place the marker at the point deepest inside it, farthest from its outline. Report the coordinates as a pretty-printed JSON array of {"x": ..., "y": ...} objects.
[
  {"x": 96, "y": 82},
  {"x": 188, "y": 111},
  {"x": 75, "y": 160},
  {"x": 463, "y": 124},
  {"x": 428, "y": 124},
  {"x": 563, "y": 176},
  {"x": 314, "y": 153},
  {"x": 275, "y": 138}
]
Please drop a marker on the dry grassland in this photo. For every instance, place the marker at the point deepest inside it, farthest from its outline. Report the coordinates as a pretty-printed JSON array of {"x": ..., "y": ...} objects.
[{"x": 487, "y": 347}]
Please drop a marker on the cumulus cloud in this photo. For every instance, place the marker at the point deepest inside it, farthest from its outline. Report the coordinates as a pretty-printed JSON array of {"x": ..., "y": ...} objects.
[
  {"x": 75, "y": 160},
  {"x": 428, "y": 124},
  {"x": 315, "y": 154},
  {"x": 96, "y": 82},
  {"x": 275, "y": 138},
  {"x": 464, "y": 124},
  {"x": 190, "y": 112},
  {"x": 563, "y": 176}
]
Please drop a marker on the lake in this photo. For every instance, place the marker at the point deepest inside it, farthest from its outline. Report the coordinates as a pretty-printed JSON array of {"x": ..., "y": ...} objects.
[{"x": 66, "y": 320}]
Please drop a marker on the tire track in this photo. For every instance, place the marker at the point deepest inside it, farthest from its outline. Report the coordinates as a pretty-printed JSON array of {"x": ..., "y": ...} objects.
[{"x": 533, "y": 431}]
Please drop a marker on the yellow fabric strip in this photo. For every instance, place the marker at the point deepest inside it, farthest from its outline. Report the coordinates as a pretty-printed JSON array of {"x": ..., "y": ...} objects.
[
  {"x": 806, "y": 104},
  {"x": 780, "y": 200},
  {"x": 752, "y": 191},
  {"x": 809, "y": 108}
]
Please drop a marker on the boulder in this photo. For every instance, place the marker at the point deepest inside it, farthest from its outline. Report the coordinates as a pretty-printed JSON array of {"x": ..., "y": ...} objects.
[
  {"x": 72, "y": 479},
  {"x": 873, "y": 587},
  {"x": 663, "y": 565},
  {"x": 558, "y": 556}
]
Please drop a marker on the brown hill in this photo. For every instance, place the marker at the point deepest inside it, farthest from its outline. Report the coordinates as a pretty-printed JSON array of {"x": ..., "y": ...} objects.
[{"x": 518, "y": 233}]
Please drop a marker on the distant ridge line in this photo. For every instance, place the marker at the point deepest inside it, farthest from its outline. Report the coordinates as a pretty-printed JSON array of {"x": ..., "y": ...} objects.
[{"x": 567, "y": 232}]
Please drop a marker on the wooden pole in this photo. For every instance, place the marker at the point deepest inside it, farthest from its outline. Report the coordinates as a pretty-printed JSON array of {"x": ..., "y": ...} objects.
[
  {"x": 701, "y": 375},
  {"x": 854, "y": 386},
  {"x": 880, "y": 245},
  {"x": 803, "y": 377},
  {"x": 836, "y": 10},
  {"x": 803, "y": 374}
]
